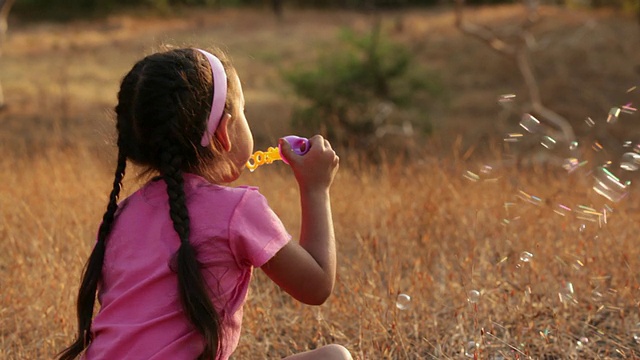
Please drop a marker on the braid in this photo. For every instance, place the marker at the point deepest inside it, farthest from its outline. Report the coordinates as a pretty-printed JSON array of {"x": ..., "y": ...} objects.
[
  {"x": 93, "y": 268},
  {"x": 193, "y": 289},
  {"x": 163, "y": 103}
]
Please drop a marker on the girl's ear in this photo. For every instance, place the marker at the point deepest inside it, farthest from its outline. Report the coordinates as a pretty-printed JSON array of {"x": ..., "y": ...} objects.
[{"x": 222, "y": 133}]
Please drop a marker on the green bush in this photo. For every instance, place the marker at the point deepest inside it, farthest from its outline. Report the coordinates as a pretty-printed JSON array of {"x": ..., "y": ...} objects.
[{"x": 368, "y": 84}]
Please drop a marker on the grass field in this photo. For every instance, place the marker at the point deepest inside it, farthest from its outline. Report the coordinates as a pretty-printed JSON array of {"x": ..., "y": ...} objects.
[{"x": 493, "y": 266}]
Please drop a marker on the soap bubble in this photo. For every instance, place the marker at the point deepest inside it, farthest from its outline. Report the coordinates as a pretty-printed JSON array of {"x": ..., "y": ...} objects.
[
  {"x": 530, "y": 123},
  {"x": 567, "y": 294},
  {"x": 473, "y": 296},
  {"x": 513, "y": 137},
  {"x": 403, "y": 302},
  {"x": 506, "y": 98},
  {"x": 570, "y": 164},
  {"x": 635, "y": 333},
  {"x": 573, "y": 145},
  {"x": 470, "y": 349},
  {"x": 562, "y": 210},
  {"x": 614, "y": 113},
  {"x": 582, "y": 343},
  {"x": 590, "y": 123},
  {"x": 526, "y": 256},
  {"x": 608, "y": 185},
  {"x": 630, "y": 161},
  {"x": 548, "y": 142},
  {"x": 597, "y": 296}
]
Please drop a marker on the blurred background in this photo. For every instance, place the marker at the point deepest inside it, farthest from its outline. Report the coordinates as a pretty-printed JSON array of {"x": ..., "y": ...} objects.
[{"x": 367, "y": 74}]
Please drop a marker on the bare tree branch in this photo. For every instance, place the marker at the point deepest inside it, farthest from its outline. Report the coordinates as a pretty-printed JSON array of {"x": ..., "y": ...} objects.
[
  {"x": 5, "y": 8},
  {"x": 482, "y": 33},
  {"x": 520, "y": 52}
]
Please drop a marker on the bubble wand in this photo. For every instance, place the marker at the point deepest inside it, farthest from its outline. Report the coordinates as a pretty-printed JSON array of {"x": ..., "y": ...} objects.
[{"x": 299, "y": 145}]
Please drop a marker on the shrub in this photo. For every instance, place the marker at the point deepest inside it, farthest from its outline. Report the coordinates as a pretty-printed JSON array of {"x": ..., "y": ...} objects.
[{"x": 354, "y": 94}]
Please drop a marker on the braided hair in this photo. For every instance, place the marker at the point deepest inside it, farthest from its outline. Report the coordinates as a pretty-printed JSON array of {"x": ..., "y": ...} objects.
[{"x": 163, "y": 105}]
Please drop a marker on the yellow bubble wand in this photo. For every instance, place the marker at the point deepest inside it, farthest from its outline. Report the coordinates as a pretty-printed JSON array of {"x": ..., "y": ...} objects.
[{"x": 299, "y": 145}]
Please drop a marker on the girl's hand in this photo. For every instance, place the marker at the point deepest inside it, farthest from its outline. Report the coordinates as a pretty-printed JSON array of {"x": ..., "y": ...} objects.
[
  {"x": 316, "y": 169},
  {"x": 307, "y": 269}
]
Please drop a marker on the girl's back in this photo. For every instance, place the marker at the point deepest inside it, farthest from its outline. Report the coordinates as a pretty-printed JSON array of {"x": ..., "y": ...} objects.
[{"x": 141, "y": 315}]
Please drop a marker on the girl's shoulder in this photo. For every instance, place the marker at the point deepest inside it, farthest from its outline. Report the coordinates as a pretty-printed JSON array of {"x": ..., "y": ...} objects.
[
  {"x": 199, "y": 190},
  {"x": 194, "y": 182}
]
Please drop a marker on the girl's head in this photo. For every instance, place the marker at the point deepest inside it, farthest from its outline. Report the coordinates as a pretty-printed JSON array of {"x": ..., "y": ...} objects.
[
  {"x": 166, "y": 101},
  {"x": 172, "y": 119}
]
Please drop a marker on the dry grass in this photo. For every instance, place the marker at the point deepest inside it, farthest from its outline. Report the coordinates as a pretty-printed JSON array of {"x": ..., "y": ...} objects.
[{"x": 419, "y": 229}]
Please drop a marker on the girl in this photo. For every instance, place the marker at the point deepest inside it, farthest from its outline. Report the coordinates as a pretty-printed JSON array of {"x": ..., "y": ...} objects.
[{"x": 173, "y": 261}]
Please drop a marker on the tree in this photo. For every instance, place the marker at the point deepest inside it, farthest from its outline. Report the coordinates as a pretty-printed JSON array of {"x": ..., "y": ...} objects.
[
  {"x": 520, "y": 52},
  {"x": 5, "y": 8}
]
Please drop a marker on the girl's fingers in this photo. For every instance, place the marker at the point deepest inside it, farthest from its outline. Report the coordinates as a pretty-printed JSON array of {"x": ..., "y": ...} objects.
[{"x": 316, "y": 140}]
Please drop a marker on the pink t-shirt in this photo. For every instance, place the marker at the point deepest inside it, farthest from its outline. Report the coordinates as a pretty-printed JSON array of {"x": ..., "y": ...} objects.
[{"x": 141, "y": 317}]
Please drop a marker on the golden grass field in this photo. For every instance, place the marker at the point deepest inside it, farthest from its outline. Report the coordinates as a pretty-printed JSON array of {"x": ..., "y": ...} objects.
[{"x": 419, "y": 228}]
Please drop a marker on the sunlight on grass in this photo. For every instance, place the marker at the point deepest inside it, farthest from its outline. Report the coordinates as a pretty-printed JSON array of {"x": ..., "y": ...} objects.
[{"x": 419, "y": 230}]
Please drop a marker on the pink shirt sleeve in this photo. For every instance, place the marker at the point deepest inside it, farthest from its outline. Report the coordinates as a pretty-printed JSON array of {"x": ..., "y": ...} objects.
[{"x": 256, "y": 232}]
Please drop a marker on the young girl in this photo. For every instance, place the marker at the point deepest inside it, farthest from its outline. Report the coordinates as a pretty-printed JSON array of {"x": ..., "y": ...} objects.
[{"x": 173, "y": 261}]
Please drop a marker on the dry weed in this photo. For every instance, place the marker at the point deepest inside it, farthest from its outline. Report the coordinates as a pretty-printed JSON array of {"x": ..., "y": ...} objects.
[{"x": 419, "y": 229}]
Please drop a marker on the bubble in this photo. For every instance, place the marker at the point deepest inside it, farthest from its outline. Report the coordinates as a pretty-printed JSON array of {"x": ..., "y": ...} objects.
[
  {"x": 473, "y": 296},
  {"x": 529, "y": 198},
  {"x": 506, "y": 98},
  {"x": 530, "y": 123},
  {"x": 548, "y": 142},
  {"x": 471, "y": 176},
  {"x": 597, "y": 296},
  {"x": 570, "y": 164},
  {"x": 582, "y": 343},
  {"x": 636, "y": 333},
  {"x": 567, "y": 294},
  {"x": 608, "y": 185},
  {"x": 513, "y": 137},
  {"x": 630, "y": 161},
  {"x": 573, "y": 145},
  {"x": 526, "y": 257},
  {"x": 403, "y": 302},
  {"x": 628, "y": 109},
  {"x": 470, "y": 349},
  {"x": 597, "y": 147},
  {"x": 589, "y": 121},
  {"x": 614, "y": 113},
  {"x": 582, "y": 228},
  {"x": 562, "y": 210}
]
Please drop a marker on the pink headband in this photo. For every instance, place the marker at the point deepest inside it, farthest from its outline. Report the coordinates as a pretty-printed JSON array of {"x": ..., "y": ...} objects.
[{"x": 219, "y": 78}]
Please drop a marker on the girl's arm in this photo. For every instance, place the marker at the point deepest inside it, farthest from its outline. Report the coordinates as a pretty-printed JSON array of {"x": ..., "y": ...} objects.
[{"x": 307, "y": 270}]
